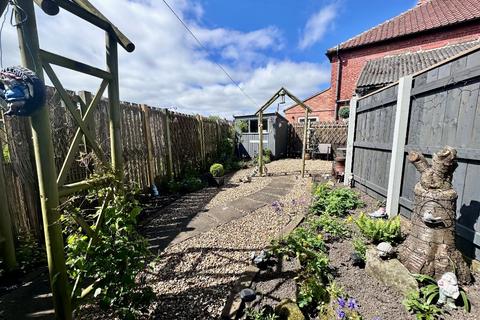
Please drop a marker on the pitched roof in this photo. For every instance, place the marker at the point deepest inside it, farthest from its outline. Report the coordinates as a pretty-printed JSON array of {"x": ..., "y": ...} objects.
[
  {"x": 389, "y": 69},
  {"x": 425, "y": 16}
]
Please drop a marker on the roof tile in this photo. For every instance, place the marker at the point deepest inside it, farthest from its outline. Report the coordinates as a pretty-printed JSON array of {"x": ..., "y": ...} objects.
[
  {"x": 429, "y": 15},
  {"x": 390, "y": 68}
]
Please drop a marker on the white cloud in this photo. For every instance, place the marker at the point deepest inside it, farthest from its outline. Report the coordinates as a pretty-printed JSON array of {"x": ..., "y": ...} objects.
[
  {"x": 317, "y": 25},
  {"x": 168, "y": 68}
]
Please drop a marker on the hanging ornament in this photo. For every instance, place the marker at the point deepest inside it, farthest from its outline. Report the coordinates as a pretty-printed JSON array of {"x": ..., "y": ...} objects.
[{"x": 22, "y": 90}]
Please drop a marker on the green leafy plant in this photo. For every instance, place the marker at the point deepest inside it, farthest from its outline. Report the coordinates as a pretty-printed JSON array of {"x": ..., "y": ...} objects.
[
  {"x": 6, "y": 153},
  {"x": 312, "y": 292},
  {"x": 110, "y": 255},
  {"x": 28, "y": 252},
  {"x": 378, "y": 230},
  {"x": 360, "y": 247},
  {"x": 217, "y": 170},
  {"x": 344, "y": 112},
  {"x": 255, "y": 314},
  {"x": 334, "y": 201},
  {"x": 330, "y": 225},
  {"x": 417, "y": 304}
]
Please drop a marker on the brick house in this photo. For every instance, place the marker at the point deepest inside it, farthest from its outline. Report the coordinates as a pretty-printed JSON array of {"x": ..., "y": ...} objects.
[{"x": 430, "y": 32}]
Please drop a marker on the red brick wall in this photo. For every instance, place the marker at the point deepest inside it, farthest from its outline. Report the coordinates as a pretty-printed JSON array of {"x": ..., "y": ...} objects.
[
  {"x": 320, "y": 104},
  {"x": 354, "y": 60}
]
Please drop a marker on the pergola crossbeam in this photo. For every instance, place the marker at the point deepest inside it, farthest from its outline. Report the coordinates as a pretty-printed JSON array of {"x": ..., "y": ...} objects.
[{"x": 52, "y": 58}]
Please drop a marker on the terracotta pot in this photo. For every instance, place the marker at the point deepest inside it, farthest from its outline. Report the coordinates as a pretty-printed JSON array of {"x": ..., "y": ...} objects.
[{"x": 307, "y": 156}]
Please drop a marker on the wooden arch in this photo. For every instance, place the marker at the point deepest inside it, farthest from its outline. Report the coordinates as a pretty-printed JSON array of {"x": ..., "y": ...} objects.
[
  {"x": 279, "y": 93},
  {"x": 52, "y": 184}
]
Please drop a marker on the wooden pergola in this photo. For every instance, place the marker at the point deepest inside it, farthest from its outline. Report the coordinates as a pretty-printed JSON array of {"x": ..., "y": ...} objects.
[
  {"x": 52, "y": 184},
  {"x": 280, "y": 93}
]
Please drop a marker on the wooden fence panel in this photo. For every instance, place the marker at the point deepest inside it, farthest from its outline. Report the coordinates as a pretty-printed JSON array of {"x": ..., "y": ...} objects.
[
  {"x": 195, "y": 144},
  {"x": 444, "y": 110}
]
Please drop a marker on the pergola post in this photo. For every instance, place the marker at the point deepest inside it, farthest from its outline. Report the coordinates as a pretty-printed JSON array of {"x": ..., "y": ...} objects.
[
  {"x": 304, "y": 147},
  {"x": 45, "y": 165},
  {"x": 114, "y": 106},
  {"x": 260, "y": 143}
]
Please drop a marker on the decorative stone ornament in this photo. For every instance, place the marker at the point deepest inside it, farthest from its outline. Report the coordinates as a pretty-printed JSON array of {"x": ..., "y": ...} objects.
[
  {"x": 385, "y": 250},
  {"x": 449, "y": 291},
  {"x": 248, "y": 295},
  {"x": 22, "y": 90},
  {"x": 430, "y": 247}
]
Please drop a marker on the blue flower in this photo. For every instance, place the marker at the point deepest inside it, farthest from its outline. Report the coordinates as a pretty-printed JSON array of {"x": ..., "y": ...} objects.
[
  {"x": 341, "y": 302},
  {"x": 352, "y": 304},
  {"x": 341, "y": 314}
]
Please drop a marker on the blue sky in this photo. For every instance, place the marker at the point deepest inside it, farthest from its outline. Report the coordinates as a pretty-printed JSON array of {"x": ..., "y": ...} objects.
[
  {"x": 290, "y": 16},
  {"x": 264, "y": 44}
]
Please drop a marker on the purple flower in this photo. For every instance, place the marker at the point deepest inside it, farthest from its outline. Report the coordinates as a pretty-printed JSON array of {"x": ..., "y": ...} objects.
[
  {"x": 341, "y": 302},
  {"x": 352, "y": 304},
  {"x": 341, "y": 314}
]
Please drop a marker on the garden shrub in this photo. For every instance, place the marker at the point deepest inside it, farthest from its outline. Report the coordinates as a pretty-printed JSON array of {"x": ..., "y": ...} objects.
[
  {"x": 334, "y": 201},
  {"x": 330, "y": 225},
  {"x": 217, "y": 170},
  {"x": 116, "y": 255},
  {"x": 379, "y": 230},
  {"x": 344, "y": 113}
]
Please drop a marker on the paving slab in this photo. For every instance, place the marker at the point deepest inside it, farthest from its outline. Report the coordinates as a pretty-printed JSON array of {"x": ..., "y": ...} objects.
[
  {"x": 247, "y": 204},
  {"x": 275, "y": 191},
  {"x": 264, "y": 197}
]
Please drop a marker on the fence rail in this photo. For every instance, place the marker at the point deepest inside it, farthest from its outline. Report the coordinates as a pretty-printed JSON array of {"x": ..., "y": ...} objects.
[
  {"x": 157, "y": 144},
  {"x": 424, "y": 112}
]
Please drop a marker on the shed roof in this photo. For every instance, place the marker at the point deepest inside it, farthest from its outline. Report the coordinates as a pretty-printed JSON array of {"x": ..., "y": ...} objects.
[
  {"x": 253, "y": 116},
  {"x": 425, "y": 16},
  {"x": 389, "y": 69}
]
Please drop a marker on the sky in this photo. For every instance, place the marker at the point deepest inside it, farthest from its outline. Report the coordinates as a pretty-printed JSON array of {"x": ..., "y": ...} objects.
[{"x": 263, "y": 45}]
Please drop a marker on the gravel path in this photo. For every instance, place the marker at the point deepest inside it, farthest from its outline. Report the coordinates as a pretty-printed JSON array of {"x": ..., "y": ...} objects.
[{"x": 193, "y": 279}]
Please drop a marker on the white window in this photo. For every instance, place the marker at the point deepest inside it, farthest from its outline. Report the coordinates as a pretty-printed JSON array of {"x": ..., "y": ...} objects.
[
  {"x": 253, "y": 126},
  {"x": 310, "y": 119}
]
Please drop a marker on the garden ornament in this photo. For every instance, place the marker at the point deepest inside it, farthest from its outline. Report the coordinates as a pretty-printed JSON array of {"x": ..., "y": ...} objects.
[
  {"x": 260, "y": 260},
  {"x": 380, "y": 213},
  {"x": 247, "y": 295},
  {"x": 246, "y": 179},
  {"x": 385, "y": 250},
  {"x": 22, "y": 90},
  {"x": 430, "y": 247},
  {"x": 448, "y": 287}
]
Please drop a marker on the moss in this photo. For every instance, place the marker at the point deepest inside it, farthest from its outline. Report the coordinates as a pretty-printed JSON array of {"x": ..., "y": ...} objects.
[{"x": 288, "y": 310}]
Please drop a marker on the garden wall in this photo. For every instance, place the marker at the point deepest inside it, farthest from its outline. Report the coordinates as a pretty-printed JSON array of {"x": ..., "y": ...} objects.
[
  {"x": 424, "y": 112},
  {"x": 156, "y": 143}
]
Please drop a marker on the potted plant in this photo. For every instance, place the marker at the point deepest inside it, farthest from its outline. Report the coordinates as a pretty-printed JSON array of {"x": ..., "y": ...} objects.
[
  {"x": 344, "y": 113},
  {"x": 218, "y": 173}
]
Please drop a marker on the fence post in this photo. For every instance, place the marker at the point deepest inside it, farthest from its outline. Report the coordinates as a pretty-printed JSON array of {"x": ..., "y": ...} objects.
[
  {"x": 169, "y": 145},
  {"x": 201, "y": 140},
  {"x": 149, "y": 143},
  {"x": 398, "y": 145},
  {"x": 352, "y": 121}
]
